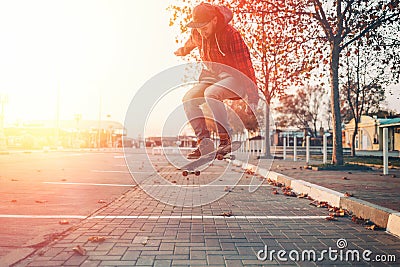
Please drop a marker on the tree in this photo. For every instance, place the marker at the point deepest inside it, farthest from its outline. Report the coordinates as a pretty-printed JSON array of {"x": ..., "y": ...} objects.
[
  {"x": 364, "y": 84},
  {"x": 304, "y": 109},
  {"x": 278, "y": 48},
  {"x": 344, "y": 22}
]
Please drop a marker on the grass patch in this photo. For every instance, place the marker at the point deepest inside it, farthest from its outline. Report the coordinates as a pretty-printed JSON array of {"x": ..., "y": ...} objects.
[
  {"x": 345, "y": 167},
  {"x": 373, "y": 160}
]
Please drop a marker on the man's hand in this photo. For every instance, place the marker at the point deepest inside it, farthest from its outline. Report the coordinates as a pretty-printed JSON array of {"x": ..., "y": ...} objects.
[{"x": 180, "y": 52}]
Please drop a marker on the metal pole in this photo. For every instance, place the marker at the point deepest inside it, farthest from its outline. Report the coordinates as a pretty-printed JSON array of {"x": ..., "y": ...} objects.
[
  {"x": 284, "y": 147},
  {"x": 325, "y": 149},
  {"x": 385, "y": 151},
  {"x": 295, "y": 148},
  {"x": 308, "y": 149}
]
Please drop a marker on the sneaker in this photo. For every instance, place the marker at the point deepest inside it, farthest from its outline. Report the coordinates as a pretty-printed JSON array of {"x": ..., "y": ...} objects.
[
  {"x": 195, "y": 154},
  {"x": 205, "y": 147},
  {"x": 225, "y": 141}
]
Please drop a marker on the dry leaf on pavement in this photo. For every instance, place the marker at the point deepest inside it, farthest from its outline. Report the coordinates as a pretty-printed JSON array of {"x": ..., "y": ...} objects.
[
  {"x": 80, "y": 250},
  {"x": 96, "y": 239},
  {"x": 347, "y": 194},
  {"x": 330, "y": 218},
  {"x": 371, "y": 227},
  {"x": 226, "y": 214}
]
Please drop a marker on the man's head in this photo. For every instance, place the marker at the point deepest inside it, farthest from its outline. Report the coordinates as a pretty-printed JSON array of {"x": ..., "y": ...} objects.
[{"x": 204, "y": 19}]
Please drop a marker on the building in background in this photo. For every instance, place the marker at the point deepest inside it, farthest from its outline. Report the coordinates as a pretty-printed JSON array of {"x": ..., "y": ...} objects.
[
  {"x": 68, "y": 134},
  {"x": 370, "y": 133}
]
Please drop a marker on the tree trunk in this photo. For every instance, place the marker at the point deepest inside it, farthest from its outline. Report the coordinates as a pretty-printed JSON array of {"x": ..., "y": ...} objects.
[
  {"x": 353, "y": 139},
  {"x": 337, "y": 155},
  {"x": 267, "y": 130}
]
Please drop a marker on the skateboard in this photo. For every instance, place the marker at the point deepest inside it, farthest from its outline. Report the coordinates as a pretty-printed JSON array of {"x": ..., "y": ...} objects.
[{"x": 220, "y": 154}]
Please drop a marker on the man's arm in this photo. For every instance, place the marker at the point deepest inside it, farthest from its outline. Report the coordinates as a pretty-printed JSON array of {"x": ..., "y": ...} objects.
[{"x": 187, "y": 48}]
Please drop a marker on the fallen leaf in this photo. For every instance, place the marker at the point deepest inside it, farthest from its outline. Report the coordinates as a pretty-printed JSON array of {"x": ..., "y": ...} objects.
[
  {"x": 371, "y": 227},
  {"x": 14, "y": 180},
  {"x": 345, "y": 178},
  {"x": 40, "y": 201},
  {"x": 96, "y": 239},
  {"x": 330, "y": 218},
  {"x": 290, "y": 194},
  {"x": 63, "y": 222},
  {"x": 357, "y": 220},
  {"x": 226, "y": 214},
  {"x": 302, "y": 195},
  {"x": 323, "y": 204},
  {"x": 80, "y": 250}
]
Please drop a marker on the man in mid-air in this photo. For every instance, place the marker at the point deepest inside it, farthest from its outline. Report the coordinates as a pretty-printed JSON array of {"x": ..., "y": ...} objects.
[{"x": 219, "y": 43}]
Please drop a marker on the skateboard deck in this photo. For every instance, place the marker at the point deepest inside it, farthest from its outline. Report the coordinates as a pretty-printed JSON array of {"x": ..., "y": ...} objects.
[{"x": 193, "y": 167}]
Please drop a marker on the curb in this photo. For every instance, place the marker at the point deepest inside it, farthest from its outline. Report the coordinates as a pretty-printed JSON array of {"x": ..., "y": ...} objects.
[{"x": 382, "y": 217}]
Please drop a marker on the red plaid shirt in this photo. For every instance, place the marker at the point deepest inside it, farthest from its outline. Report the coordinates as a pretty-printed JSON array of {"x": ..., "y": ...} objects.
[{"x": 229, "y": 48}]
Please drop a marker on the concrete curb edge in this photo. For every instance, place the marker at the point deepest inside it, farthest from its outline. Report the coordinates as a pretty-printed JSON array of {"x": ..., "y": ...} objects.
[{"x": 382, "y": 217}]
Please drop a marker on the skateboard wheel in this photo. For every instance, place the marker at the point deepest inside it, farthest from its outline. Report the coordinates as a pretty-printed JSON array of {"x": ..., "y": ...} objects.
[
  {"x": 185, "y": 173},
  {"x": 220, "y": 157},
  {"x": 197, "y": 173}
]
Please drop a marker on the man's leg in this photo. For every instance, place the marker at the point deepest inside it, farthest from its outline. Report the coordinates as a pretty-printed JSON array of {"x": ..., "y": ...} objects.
[
  {"x": 226, "y": 88},
  {"x": 192, "y": 101}
]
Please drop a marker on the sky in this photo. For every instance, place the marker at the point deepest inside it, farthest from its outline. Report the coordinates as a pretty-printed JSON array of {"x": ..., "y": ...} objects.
[
  {"x": 85, "y": 57},
  {"x": 80, "y": 54}
]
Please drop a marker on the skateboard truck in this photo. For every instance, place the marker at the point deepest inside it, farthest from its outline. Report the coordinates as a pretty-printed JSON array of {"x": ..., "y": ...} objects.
[
  {"x": 186, "y": 173},
  {"x": 220, "y": 154}
]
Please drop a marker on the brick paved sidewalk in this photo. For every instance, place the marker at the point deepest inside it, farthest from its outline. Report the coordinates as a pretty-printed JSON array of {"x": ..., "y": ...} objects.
[
  {"x": 141, "y": 231},
  {"x": 371, "y": 186}
]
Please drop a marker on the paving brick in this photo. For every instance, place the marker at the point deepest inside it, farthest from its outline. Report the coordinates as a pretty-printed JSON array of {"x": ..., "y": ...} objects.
[
  {"x": 39, "y": 263},
  {"x": 130, "y": 255},
  {"x": 162, "y": 263},
  {"x": 117, "y": 263},
  {"x": 234, "y": 263},
  {"x": 76, "y": 260},
  {"x": 90, "y": 263},
  {"x": 117, "y": 251},
  {"x": 215, "y": 260},
  {"x": 145, "y": 260},
  {"x": 190, "y": 262}
]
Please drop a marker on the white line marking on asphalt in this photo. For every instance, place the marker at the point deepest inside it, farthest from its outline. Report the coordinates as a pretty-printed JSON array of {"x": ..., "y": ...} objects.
[
  {"x": 105, "y": 171},
  {"x": 151, "y": 217},
  {"x": 92, "y": 184},
  {"x": 203, "y": 185},
  {"x": 11, "y": 216}
]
